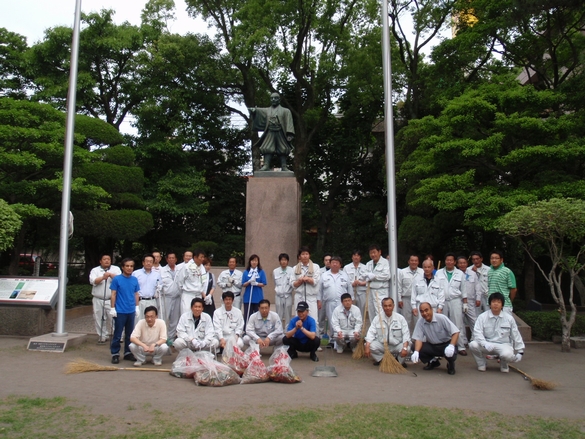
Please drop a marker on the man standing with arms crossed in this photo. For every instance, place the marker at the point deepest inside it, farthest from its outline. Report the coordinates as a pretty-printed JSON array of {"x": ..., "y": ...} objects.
[{"x": 100, "y": 279}]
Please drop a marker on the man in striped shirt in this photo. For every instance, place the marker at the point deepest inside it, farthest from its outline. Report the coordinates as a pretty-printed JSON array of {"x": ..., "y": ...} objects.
[{"x": 501, "y": 279}]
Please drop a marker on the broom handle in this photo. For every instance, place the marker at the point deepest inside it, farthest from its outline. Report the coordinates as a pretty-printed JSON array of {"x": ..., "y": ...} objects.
[
  {"x": 520, "y": 372},
  {"x": 365, "y": 311},
  {"x": 143, "y": 369},
  {"x": 382, "y": 325}
]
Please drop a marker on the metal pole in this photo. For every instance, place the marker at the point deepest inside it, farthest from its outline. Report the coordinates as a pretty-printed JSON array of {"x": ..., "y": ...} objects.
[
  {"x": 389, "y": 132},
  {"x": 67, "y": 165}
]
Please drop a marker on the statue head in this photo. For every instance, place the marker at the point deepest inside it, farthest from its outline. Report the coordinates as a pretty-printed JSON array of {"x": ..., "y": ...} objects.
[{"x": 275, "y": 99}]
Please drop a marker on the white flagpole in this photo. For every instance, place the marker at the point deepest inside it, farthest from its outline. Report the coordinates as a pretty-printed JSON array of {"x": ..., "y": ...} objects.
[
  {"x": 389, "y": 137},
  {"x": 67, "y": 167}
]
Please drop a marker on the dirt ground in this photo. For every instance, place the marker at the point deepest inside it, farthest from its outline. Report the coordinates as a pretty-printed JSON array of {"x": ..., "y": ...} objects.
[{"x": 37, "y": 374}]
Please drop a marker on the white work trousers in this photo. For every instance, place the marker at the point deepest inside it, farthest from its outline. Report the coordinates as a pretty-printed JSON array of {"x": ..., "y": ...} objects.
[
  {"x": 140, "y": 355},
  {"x": 453, "y": 309},
  {"x": 101, "y": 310},
  {"x": 284, "y": 308},
  {"x": 505, "y": 352}
]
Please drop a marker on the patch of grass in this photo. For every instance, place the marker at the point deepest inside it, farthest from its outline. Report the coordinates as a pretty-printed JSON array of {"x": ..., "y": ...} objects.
[{"x": 56, "y": 418}]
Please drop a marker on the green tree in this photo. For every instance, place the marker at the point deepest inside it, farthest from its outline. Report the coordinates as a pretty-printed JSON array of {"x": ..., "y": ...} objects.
[
  {"x": 11, "y": 224},
  {"x": 109, "y": 85},
  {"x": 12, "y": 64},
  {"x": 31, "y": 162},
  {"x": 491, "y": 149},
  {"x": 545, "y": 39},
  {"x": 557, "y": 224}
]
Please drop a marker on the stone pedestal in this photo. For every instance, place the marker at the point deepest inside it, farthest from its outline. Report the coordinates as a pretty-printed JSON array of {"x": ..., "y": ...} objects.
[
  {"x": 273, "y": 221},
  {"x": 15, "y": 320}
]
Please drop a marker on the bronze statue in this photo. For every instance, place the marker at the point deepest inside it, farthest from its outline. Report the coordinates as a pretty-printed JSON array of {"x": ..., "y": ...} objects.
[{"x": 277, "y": 124}]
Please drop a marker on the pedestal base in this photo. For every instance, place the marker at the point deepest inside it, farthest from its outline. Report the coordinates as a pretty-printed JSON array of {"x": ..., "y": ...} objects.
[
  {"x": 273, "y": 221},
  {"x": 55, "y": 343}
]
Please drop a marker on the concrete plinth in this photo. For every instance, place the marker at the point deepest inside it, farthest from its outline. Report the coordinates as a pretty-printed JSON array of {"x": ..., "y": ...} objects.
[
  {"x": 273, "y": 221},
  {"x": 15, "y": 320}
]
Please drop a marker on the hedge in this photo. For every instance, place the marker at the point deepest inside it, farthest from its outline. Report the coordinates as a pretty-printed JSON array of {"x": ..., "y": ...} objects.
[
  {"x": 77, "y": 295},
  {"x": 545, "y": 324}
]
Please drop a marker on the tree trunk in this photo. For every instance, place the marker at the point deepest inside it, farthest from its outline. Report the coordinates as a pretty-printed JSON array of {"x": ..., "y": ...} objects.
[
  {"x": 566, "y": 337},
  {"x": 18, "y": 245}
]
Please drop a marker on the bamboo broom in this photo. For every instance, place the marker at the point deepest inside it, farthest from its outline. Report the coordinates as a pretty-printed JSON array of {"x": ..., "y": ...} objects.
[
  {"x": 359, "y": 352},
  {"x": 80, "y": 366},
  {"x": 389, "y": 364},
  {"x": 537, "y": 384}
]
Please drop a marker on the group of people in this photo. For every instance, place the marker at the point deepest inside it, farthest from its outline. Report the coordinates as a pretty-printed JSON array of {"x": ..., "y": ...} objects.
[{"x": 428, "y": 320}]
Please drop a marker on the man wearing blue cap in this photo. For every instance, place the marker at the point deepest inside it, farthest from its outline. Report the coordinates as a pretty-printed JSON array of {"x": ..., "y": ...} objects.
[{"x": 301, "y": 333}]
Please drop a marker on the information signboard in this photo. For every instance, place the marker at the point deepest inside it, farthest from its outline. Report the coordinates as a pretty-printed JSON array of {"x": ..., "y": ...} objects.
[{"x": 29, "y": 291}]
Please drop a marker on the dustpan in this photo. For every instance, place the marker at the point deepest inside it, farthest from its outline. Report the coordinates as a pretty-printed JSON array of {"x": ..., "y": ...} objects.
[{"x": 325, "y": 371}]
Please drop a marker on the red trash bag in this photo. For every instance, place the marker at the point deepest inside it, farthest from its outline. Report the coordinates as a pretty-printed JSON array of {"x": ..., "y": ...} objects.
[
  {"x": 184, "y": 365},
  {"x": 213, "y": 373},
  {"x": 234, "y": 357},
  {"x": 279, "y": 369},
  {"x": 256, "y": 371}
]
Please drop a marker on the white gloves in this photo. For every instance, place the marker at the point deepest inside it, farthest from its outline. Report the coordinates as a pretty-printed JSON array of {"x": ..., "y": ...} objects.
[
  {"x": 196, "y": 343},
  {"x": 449, "y": 351},
  {"x": 414, "y": 357},
  {"x": 137, "y": 311},
  {"x": 113, "y": 312},
  {"x": 253, "y": 283},
  {"x": 518, "y": 358},
  {"x": 465, "y": 308},
  {"x": 207, "y": 299},
  {"x": 488, "y": 346}
]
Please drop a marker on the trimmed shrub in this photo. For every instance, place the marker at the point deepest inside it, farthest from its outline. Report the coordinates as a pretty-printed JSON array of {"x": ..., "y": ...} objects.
[{"x": 545, "y": 324}]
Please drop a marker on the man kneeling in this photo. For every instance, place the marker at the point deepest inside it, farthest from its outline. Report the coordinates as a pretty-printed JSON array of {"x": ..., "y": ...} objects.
[
  {"x": 394, "y": 330},
  {"x": 441, "y": 339},
  {"x": 195, "y": 329},
  {"x": 301, "y": 334},
  {"x": 264, "y": 327},
  {"x": 149, "y": 338},
  {"x": 346, "y": 323},
  {"x": 495, "y": 332}
]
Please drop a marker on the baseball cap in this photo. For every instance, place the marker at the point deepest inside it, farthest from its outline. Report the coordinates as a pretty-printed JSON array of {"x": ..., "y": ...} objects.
[{"x": 302, "y": 306}]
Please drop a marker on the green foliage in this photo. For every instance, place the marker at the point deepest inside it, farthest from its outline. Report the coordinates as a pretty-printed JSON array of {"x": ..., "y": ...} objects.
[
  {"x": 545, "y": 324},
  {"x": 491, "y": 149},
  {"x": 112, "y": 178},
  {"x": 115, "y": 224},
  {"x": 78, "y": 295},
  {"x": 12, "y": 64},
  {"x": 96, "y": 132},
  {"x": 11, "y": 224},
  {"x": 118, "y": 155}
]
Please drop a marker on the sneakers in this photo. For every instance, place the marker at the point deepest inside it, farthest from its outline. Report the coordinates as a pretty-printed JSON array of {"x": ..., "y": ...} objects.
[
  {"x": 319, "y": 349},
  {"x": 462, "y": 352},
  {"x": 115, "y": 359},
  {"x": 138, "y": 363},
  {"x": 157, "y": 363},
  {"x": 481, "y": 368},
  {"x": 103, "y": 340},
  {"x": 314, "y": 357},
  {"x": 293, "y": 354},
  {"x": 129, "y": 357},
  {"x": 504, "y": 368},
  {"x": 377, "y": 363}
]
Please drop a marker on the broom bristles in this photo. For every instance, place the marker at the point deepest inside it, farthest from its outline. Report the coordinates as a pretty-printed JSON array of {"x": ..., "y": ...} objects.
[
  {"x": 542, "y": 384},
  {"x": 537, "y": 384},
  {"x": 359, "y": 352},
  {"x": 389, "y": 364},
  {"x": 80, "y": 366}
]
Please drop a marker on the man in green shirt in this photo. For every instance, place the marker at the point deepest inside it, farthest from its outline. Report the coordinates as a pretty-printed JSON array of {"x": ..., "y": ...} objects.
[{"x": 501, "y": 279}]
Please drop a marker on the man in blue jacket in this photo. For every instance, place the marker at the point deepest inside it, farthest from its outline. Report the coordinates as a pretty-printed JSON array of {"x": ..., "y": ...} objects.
[{"x": 301, "y": 333}]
